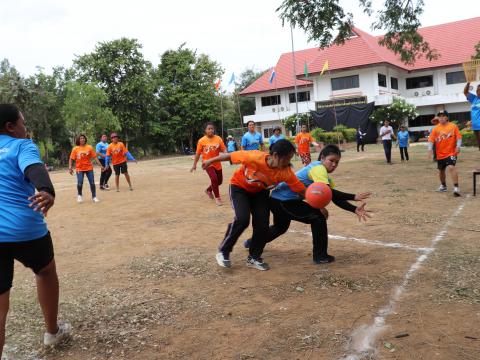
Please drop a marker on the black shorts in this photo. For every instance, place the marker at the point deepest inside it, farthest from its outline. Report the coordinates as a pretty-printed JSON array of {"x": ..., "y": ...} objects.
[
  {"x": 443, "y": 163},
  {"x": 121, "y": 168},
  {"x": 34, "y": 254}
]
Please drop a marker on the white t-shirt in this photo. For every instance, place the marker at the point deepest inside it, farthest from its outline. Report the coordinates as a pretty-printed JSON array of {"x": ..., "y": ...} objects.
[{"x": 383, "y": 131}]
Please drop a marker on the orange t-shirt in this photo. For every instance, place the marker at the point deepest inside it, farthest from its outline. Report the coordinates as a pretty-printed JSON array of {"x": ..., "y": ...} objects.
[
  {"x": 255, "y": 175},
  {"x": 211, "y": 147},
  {"x": 445, "y": 139},
  {"x": 303, "y": 141},
  {"x": 117, "y": 153},
  {"x": 82, "y": 156}
]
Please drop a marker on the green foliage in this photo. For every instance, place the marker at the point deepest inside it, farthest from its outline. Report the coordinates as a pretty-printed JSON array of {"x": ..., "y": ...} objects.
[
  {"x": 327, "y": 137},
  {"x": 477, "y": 52},
  {"x": 290, "y": 122},
  {"x": 321, "y": 19},
  {"x": 316, "y": 133},
  {"x": 396, "y": 113},
  {"x": 119, "y": 68},
  {"x": 85, "y": 111},
  {"x": 349, "y": 134},
  {"x": 468, "y": 137}
]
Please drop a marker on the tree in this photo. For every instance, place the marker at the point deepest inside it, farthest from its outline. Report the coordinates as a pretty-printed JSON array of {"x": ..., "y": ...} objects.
[
  {"x": 477, "y": 52},
  {"x": 397, "y": 112},
  {"x": 187, "y": 95},
  {"x": 85, "y": 112},
  {"x": 119, "y": 68},
  {"x": 398, "y": 18}
]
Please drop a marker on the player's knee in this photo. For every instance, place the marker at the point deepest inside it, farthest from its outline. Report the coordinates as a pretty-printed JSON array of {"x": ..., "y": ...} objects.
[
  {"x": 242, "y": 222},
  {"x": 48, "y": 270}
]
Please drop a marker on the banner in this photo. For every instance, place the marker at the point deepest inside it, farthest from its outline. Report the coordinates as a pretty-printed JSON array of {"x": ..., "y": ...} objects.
[{"x": 351, "y": 116}]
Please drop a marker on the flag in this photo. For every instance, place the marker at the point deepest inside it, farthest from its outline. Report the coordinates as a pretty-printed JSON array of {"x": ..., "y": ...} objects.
[
  {"x": 272, "y": 76},
  {"x": 232, "y": 79},
  {"x": 325, "y": 67},
  {"x": 217, "y": 85},
  {"x": 305, "y": 69}
]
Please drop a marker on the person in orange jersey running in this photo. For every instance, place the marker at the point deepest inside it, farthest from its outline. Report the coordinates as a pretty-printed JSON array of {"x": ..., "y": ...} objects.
[
  {"x": 208, "y": 147},
  {"x": 303, "y": 141},
  {"x": 119, "y": 155}
]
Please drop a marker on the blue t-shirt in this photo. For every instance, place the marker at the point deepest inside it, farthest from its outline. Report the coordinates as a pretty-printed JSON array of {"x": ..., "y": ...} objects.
[
  {"x": 282, "y": 192},
  {"x": 273, "y": 139},
  {"x": 402, "y": 137},
  {"x": 231, "y": 146},
  {"x": 18, "y": 222},
  {"x": 475, "y": 101},
  {"x": 252, "y": 141},
  {"x": 102, "y": 149}
]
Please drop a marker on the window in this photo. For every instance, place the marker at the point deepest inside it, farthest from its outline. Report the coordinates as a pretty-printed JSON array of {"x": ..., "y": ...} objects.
[
  {"x": 382, "y": 80},
  {"x": 271, "y": 100},
  {"x": 456, "y": 77},
  {"x": 394, "y": 83},
  {"x": 302, "y": 96},
  {"x": 347, "y": 82},
  {"x": 419, "y": 82},
  {"x": 267, "y": 132}
]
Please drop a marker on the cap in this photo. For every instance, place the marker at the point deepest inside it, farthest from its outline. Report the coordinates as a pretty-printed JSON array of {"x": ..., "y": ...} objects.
[
  {"x": 229, "y": 137},
  {"x": 443, "y": 112},
  {"x": 113, "y": 135}
]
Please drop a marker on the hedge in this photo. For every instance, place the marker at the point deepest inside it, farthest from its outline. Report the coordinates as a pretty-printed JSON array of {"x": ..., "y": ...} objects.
[
  {"x": 329, "y": 137},
  {"x": 468, "y": 138}
]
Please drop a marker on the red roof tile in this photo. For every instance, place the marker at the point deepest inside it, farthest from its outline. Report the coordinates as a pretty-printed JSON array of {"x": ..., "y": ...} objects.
[{"x": 454, "y": 42}]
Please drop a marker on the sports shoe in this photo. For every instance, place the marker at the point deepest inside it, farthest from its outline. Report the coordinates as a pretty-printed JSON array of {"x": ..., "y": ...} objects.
[
  {"x": 101, "y": 188},
  {"x": 131, "y": 188},
  {"x": 222, "y": 260},
  {"x": 257, "y": 263},
  {"x": 246, "y": 244},
  {"x": 218, "y": 201},
  {"x": 96, "y": 200},
  {"x": 456, "y": 192},
  {"x": 442, "y": 188},
  {"x": 62, "y": 334},
  {"x": 106, "y": 187},
  {"x": 79, "y": 199},
  {"x": 209, "y": 194},
  {"x": 325, "y": 260}
]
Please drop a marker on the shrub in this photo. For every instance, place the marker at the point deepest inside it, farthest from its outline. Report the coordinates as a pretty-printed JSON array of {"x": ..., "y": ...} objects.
[
  {"x": 468, "y": 138},
  {"x": 329, "y": 137},
  {"x": 350, "y": 134},
  {"x": 316, "y": 133}
]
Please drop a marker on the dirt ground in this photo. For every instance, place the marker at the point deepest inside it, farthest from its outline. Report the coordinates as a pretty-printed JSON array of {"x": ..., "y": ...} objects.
[{"x": 139, "y": 278}]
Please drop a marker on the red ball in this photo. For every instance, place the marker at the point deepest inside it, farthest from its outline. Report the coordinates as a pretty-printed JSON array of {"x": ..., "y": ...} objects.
[{"x": 318, "y": 195}]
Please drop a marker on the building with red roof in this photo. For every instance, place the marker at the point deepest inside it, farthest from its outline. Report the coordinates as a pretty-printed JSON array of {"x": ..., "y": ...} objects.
[{"x": 361, "y": 70}]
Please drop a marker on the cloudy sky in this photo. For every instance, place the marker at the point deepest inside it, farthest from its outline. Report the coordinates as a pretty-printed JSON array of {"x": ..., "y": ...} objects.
[{"x": 238, "y": 34}]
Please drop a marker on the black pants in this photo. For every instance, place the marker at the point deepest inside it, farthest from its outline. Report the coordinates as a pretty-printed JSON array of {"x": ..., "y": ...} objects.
[
  {"x": 105, "y": 175},
  {"x": 286, "y": 211},
  {"x": 404, "y": 150},
  {"x": 360, "y": 143},
  {"x": 245, "y": 203},
  {"x": 387, "y": 147}
]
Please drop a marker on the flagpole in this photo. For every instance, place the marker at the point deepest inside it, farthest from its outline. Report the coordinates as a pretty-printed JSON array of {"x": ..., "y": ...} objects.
[
  {"x": 221, "y": 109},
  {"x": 334, "y": 111},
  {"x": 295, "y": 79}
]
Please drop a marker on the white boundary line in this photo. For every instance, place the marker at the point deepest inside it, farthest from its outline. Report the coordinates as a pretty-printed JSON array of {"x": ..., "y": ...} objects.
[
  {"x": 372, "y": 242},
  {"x": 364, "y": 337}
]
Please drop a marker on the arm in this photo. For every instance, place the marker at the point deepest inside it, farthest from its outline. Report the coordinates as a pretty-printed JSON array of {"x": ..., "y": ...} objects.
[
  {"x": 70, "y": 168},
  {"x": 221, "y": 157},
  {"x": 466, "y": 89},
  {"x": 130, "y": 156},
  {"x": 97, "y": 150},
  {"x": 195, "y": 161},
  {"x": 44, "y": 199},
  {"x": 262, "y": 146},
  {"x": 99, "y": 163},
  {"x": 107, "y": 161}
]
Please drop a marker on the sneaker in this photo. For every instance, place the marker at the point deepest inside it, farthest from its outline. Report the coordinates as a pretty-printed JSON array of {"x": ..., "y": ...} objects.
[
  {"x": 246, "y": 244},
  {"x": 222, "y": 260},
  {"x": 131, "y": 188},
  {"x": 79, "y": 199},
  {"x": 442, "y": 188},
  {"x": 218, "y": 201},
  {"x": 257, "y": 263},
  {"x": 209, "y": 194},
  {"x": 325, "y": 260},
  {"x": 96, "y": 200},
  {"x": 456, "y": 192},
  {"x": 101, "y": 188},
  {"x": 62, "y": 334},
  {"x": 106, "y": 187}
]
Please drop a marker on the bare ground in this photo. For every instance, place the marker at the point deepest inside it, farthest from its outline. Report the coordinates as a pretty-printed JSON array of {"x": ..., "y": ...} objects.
[{"x": 139, "y": 279}]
